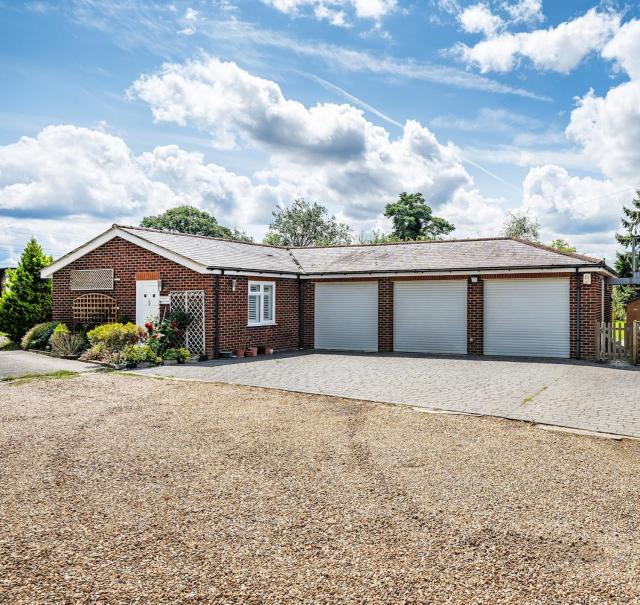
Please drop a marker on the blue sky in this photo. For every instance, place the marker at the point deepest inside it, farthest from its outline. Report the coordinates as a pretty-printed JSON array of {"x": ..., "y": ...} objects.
[{"x": 115, "y": 109}]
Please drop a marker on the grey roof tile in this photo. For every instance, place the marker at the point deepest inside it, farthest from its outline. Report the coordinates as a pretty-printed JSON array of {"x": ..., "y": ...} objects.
[{"x": 446, "y": 255}]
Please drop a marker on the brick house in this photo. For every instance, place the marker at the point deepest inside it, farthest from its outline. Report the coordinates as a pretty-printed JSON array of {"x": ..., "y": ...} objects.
[{"x": 494, "y": 296}]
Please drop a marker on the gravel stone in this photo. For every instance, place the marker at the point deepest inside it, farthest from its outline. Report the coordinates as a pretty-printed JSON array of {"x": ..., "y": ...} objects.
[{"x": 123, "y": 489}]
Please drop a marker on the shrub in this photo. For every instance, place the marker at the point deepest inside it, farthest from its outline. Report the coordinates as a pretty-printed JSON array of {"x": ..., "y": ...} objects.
[
  {"x": 184, "y": 355},
  {"x": 64, "y": 343},
  {"x": 116, "y": 336},
  {"x": 38, "y": 336},
  {"x": 60, "y": 329},
  {"x": 96, "y": 353},
  {"x": 139, "y": 353},
  {"x": 171, "y": 354}
]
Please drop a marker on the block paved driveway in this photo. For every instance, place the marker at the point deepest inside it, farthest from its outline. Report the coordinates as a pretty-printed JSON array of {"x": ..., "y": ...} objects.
[{"x": 569, "y": 394}]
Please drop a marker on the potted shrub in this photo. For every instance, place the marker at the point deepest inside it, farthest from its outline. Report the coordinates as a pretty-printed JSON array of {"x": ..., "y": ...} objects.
[
  {"x": 184, "y": 355},
  {"x": 251, "y": 351},
  {"x": 170, "y": 357},
  {"x": 143, "y": 356}
]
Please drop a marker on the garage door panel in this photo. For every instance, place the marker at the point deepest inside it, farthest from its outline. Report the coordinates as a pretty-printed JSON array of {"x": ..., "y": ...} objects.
[
  {"x": 346, "y": 316},
  {"x": 430, "y": 317},
  {"x": 527, "y": 318}
]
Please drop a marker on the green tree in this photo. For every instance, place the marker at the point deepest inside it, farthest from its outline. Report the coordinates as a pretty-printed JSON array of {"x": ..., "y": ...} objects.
[
  {"x": 522, "y": 226},
  {"x": 562, "y": 245},
  {"x": 413, "y": 219},
  {"x": 27, "y": 298},
  {"x": 631, "y": 226},
  {"x": 187, "y": 219},
  {"x": 306, "y": 224}
]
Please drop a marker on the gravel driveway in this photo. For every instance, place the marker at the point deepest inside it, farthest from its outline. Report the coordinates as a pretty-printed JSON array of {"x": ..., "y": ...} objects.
[
  {"x": 122, "y": 489},
  {"x": 570, "y": 394}
]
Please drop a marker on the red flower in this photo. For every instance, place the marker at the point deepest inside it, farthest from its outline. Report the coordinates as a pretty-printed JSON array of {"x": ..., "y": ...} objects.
[{"x": 149, "y": 326}]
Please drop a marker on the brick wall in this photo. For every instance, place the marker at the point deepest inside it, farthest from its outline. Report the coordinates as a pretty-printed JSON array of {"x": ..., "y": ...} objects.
[
  {"x": 126, "y": 259},
  {"x": 234, "y": 331},
  {"x": 475, "y": 317}
]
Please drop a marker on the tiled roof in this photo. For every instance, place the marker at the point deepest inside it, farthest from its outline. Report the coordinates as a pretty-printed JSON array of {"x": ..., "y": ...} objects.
[
  {"x": 203, "y": 254},
  {"x": 214, "y": 252},
  {"x": 496, "y": 253}
]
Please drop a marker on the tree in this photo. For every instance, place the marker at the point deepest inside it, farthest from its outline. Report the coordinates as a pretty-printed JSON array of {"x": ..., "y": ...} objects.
[
  {"x": 413, "y": 219},
  {"x": 27, "y": 298},
  {"x": 305, "y": 224},
  {"x": 522, "y": 226},
  {"x": 631, "y": 225},
  {"x": 562, "y": 245},
  {"x": 187, "y": 219}
]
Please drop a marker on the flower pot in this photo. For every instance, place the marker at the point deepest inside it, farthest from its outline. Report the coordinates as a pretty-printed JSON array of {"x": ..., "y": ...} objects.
[
  {"x": 170, "y": 362},
  {"x": 251, "y": 352},
  {"x": 226, "y": 354},
  {"x": 144, "y": 364},
  {"x": 238, "y": 352},
  {"x": 268, "y": 351}
]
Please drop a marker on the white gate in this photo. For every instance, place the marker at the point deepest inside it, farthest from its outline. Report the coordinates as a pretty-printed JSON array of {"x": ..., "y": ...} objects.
[{"x": 192, "y": 302}]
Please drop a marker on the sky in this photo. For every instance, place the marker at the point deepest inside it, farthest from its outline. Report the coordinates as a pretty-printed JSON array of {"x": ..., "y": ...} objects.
[{"x": 111, "y": 110}]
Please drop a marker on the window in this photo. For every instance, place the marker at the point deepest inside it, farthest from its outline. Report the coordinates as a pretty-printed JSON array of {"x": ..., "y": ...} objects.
[{"x": 262, "y": 303}]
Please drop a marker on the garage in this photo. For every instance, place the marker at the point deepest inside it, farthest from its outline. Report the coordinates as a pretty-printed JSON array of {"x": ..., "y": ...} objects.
[
  {"x": 430, "y": 316},
  {"x": 527, "y": 317},
  {"x": 346, "y": 316}
]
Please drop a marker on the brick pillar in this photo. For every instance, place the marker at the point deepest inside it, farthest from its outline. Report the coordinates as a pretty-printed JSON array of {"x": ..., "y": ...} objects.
[
  {"x": 591, "y": 303},
  {"x": 308, "y": 295},
  {"x": 475, "y": 317},
  {"x": 385, "y": 315}
]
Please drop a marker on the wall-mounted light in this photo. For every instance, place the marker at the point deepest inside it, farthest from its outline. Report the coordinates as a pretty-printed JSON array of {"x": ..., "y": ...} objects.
[
  {"x": 474, "y": 279},
  {"x": 234, "y": 283}
]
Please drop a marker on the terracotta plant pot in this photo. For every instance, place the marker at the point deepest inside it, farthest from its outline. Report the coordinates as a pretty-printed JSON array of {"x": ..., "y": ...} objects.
[
  {"x": 251, "y": 352},
  {"x": 238, "y": 352},
  {"x": 268, "y": 351}
]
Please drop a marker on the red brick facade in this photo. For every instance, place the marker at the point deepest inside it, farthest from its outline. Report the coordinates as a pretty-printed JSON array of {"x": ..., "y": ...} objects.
[{"x": 127, "y": 260}]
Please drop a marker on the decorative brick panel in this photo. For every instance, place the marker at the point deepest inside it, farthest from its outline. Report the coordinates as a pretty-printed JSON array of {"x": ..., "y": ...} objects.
[{"x": 385, "y": 314}]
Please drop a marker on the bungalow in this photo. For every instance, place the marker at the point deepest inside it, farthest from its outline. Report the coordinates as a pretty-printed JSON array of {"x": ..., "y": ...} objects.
[{"x": 494, "y": 296}]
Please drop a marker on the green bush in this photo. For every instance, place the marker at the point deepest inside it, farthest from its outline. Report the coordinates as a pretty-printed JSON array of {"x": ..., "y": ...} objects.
[
  {"x": 61, "y": 329},
  {"x": 38, "y": 336},
  {"x": 184, "y": 355},
  {"x": 139, "y": 353},
  {"x": 64, "y": 343},
  {"x": 116, "y": 336},
  {"x": 171, "y": 354}
]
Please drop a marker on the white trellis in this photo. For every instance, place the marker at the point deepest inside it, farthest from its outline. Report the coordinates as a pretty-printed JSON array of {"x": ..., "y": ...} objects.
[{"x": 192, "y": 302}]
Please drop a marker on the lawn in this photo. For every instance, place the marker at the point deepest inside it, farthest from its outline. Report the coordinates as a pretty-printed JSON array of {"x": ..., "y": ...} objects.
[{"x": 122, "y": 489}]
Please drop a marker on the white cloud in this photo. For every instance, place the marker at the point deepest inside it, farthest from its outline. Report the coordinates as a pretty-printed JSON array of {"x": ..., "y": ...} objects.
[
  {"x": 524, "y": 11},
  {"x": 334, "y": 11},
  {"x": 608, "y": 128},
  {"x": 559, "y": 48},
  {"x": 478, "y": 19},
  {"x": 327, "y": 152},
  {"x": 70, "y": 171},
  {"x": 624, "y": 48}
]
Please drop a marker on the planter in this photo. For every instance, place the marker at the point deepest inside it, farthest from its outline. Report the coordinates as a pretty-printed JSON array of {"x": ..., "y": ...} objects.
[
  {"x": 170, "y": 362},
  {"x": 226, "y": 354},
  {"x": 119, "y": 366},
  {"x": 144, "y": 364},
  {"x": 251, "y": 352},
  {"x": 238, "y": 352},
  {"x": 268, "y": 351}
]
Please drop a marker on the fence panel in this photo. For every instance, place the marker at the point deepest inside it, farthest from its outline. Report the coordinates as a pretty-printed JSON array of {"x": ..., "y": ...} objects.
[
  {"x": 192, "y": 302},
  {"x": 617, "y": 341}
]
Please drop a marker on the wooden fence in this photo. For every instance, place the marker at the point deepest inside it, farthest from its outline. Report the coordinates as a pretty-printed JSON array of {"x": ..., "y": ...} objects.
[{"x": 618, "y": 341}]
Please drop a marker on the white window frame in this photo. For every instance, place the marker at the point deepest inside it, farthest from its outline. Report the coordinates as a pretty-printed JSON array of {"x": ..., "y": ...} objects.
[{"x": 260, "y": 297}]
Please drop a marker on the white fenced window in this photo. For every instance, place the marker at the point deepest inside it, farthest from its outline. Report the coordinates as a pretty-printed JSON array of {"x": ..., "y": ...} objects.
[
  {"x": 92, "y": 279},
  {"x": 262, "y": 303}
]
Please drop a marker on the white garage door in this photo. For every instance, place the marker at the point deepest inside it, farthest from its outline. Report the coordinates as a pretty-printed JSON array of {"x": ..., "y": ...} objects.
[
  {"x": 430, "y": 316},
  {"x": 346, "y": 316},
  {"x": 526, "y": 317}
]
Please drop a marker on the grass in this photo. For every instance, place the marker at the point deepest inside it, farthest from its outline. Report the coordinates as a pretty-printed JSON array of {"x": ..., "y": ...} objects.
[{"x": 38, "y": 376}]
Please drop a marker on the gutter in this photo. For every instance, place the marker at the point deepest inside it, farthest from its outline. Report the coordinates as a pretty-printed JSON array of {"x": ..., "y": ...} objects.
[{"x": 578, "y": 317}]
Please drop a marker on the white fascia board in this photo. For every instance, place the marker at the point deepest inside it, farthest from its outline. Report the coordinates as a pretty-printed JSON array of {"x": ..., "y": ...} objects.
[
  {"x": 257, "y": 274},
  {"x": 461, "y": 274},
  {"x": 110, "y": 234}
]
